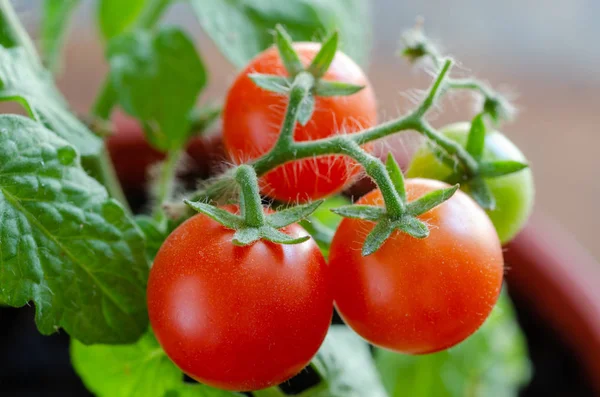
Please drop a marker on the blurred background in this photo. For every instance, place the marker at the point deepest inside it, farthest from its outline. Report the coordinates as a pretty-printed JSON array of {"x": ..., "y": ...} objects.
[{"x": 544, "y": 54}]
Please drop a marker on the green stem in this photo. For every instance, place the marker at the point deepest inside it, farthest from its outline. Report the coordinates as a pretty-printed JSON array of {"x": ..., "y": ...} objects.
[
  {"x": 250, "y": 201},
  {"x": 13, "y": 34},
  {"x": 451, "y": 147},
  {"x": 286, "y": 149},
  {"x": 166, "y": 182},
  {"x": 394, "y": 205},
  {"x": 301, "y": 87},
  {"x": 470, "y": 84},
  {"x": 433, "y": 91}
]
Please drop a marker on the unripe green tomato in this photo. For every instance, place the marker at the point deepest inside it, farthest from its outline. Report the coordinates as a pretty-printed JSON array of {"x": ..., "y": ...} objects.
[{"x": 514, "y": 193}]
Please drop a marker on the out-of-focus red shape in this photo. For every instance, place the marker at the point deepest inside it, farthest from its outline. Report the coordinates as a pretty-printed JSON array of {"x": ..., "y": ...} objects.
[
  {"x": 132, "y": 156},
  {"x": 561, "y": 280}
]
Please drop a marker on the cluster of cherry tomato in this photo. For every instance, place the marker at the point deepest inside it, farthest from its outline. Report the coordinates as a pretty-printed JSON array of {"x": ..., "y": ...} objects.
[{"x": 249, "y": 317}]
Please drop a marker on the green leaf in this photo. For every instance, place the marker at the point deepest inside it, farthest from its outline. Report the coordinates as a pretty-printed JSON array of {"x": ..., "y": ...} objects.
[
  {"x": 346, "y": 367},
  {"x": 242, "y": 28},
  {"x": 431, "y": 200},
  {"x": 117, "y": 16},
  {"x": 288, "y": 55},
  {"x": 293, "y": 214},
  {"x": 320, "y": 64},
  {"x": 357, "y": 211},
  {"x": 278, "y": 84},
  {"x": 158, "y": 79},
  {"x": 54, "y": 28},
  {"x": 276, "y": 236},
  {"x": 246, "y": 236},
  {"x": 499, "y": 168},
  {"x": 476, "y": 137},
  {"x": 481, "y": 193},
  {"x": 413, "y": 227},
  {"x": 66, "y": 245},
  {"x": 492, "y": 362},
  {"x": 377, "y": 237},
  {"x": 396, "y": 175},
  {"x": 141, "y": 369},
  {"x": 222, "y": 216},
  {"x": 326, "y": 88},
  {"x": 34, "y": 90}
]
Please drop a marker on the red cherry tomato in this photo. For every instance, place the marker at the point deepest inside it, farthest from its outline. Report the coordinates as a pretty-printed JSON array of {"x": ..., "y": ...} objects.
[
  {"x": 419, "y": 295},
  {"x": 238, "y": 318},
  {"x": 252, "y": 118}
]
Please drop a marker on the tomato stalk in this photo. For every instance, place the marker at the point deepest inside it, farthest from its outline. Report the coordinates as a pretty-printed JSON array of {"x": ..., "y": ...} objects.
[
  {"x": 250, "y": 202},
  {"x": 304, "y": 83}
]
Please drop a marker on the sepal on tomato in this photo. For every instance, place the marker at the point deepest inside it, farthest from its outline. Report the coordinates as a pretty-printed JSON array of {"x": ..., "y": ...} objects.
[
  {"x": 387, "y": 222},
  {"x": 317, "y": 69},
  {"x": 253, "y": 224}
]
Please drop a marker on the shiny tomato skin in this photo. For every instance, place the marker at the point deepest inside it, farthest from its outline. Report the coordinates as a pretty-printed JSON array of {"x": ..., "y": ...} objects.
[
  {"x": 238, "y": 318},
  {"x": 252, "y": 118},
  {"x": 419, "y": 296}
]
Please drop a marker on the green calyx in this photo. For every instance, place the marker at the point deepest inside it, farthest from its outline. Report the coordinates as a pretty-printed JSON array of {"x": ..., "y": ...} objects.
[
  {"x": 300, "y": 76},
  {"x": 405, "y": 220},
  {"x": 253, "y": 224},
  {"x": 474, "y": 177}
]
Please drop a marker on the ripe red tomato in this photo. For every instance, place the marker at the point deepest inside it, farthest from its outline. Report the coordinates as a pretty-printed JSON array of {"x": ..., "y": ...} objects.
[
  {"x": 238, "y": 318},
  {"x": 419, "y": 295},
  {"x": 252, "y": 118}
]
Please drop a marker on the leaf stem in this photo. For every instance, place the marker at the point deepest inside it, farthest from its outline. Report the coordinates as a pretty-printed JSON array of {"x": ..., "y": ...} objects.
[{"x": 166, "y": 182}]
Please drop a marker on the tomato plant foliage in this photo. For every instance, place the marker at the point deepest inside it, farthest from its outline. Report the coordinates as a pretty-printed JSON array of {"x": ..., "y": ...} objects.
[
  {"x": 158, "y": 78},
  {"x": 66, "y": 245}
]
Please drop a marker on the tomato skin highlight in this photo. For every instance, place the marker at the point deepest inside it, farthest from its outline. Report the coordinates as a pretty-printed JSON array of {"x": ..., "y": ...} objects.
[
  {"x": 419, "y": 296},
  {"x": 252, "y": 118},
  {"x": 238, "y": 318},
  {"x": 514, "y": 193}
]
